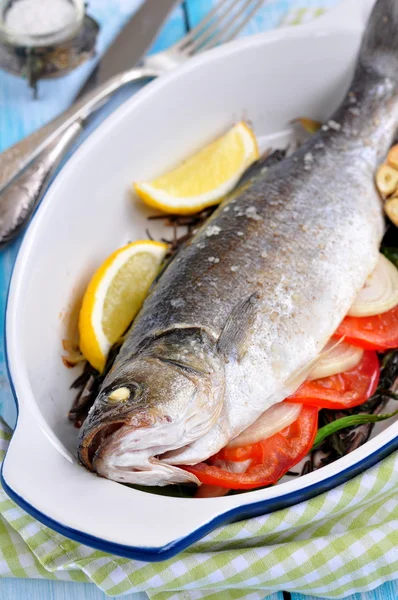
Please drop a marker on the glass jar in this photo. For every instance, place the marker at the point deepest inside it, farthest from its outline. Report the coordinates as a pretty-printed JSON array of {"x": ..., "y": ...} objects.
[{"x": 46, "y": 28}]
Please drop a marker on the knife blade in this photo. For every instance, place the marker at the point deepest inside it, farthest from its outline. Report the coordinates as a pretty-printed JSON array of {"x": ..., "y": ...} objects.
[{"x": 132, "y": 42}]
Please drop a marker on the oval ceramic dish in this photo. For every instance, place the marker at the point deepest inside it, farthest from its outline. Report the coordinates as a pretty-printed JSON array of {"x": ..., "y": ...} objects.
[{"x": 87, "y": 213}]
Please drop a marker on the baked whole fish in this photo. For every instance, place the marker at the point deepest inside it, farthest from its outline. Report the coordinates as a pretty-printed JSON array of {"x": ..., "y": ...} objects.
[{"x": 232, "y": 324}]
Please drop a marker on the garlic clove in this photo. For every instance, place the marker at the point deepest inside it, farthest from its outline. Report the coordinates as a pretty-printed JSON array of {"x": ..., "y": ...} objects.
[
  {"x": 392, "y": 157},
  {"x": 386, "y": 180},
  {"x": 391, "y": 209}
]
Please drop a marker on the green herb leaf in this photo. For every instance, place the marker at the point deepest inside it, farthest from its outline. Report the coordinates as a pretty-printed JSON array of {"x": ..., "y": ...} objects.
[
  {"x": 391, "y": 254},
  {"x": 350, "y": 421}
]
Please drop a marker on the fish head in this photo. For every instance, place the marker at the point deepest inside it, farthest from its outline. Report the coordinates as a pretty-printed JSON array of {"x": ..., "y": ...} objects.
[{"x": 166, "y": 396}]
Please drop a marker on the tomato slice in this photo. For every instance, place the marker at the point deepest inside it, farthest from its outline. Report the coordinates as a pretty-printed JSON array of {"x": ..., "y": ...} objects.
[
  {"x": 344, "y": 390},
  {"x": 271, "y": 458},
  {"x": 379, "y": 332}
]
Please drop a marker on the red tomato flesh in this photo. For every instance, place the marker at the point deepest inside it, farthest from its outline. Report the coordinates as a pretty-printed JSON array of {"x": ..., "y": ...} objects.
[
  {"x": 271, "y": 458},
  {"x": 379, "y": 332},
  {"x": 344, "y": 390}
]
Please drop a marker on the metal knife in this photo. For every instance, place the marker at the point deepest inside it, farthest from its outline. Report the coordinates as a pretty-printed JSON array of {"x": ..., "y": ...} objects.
[
  {"x": 132, "y": 42},
  {"x": 26, "y": 167}
]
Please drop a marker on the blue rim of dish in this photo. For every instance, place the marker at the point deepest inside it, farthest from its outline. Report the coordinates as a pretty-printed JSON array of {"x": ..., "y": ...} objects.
[
  {"x": 154, "y": 554},
  {"x": 157, "y": 554},
  {"x": 161, "y": 553}
]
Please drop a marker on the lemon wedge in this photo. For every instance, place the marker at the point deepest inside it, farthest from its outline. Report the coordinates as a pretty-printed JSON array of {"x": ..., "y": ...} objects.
[
  {"x": 114, "y": 296},
  {"x": 204, "y": 178}
]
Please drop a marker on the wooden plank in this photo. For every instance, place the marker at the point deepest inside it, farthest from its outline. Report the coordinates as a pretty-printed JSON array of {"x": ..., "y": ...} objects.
[
  {"x": 387, "y": 591},
  {"x": 35, "y": 589},
  {"x": 18, "y": 589}
]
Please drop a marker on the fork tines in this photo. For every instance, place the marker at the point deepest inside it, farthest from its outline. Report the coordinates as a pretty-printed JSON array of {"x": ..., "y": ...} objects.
[{"x": 220, "y": 25}]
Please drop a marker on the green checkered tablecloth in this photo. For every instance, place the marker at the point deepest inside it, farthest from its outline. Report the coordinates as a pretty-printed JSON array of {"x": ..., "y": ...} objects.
[
  {"x": 341, "y": 542},
  {"x": 336, "y": 544}
]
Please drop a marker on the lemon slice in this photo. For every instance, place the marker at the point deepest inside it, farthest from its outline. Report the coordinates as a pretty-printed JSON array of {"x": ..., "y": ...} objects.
[
  {"x": 115, "y": 295},
  {"x": 204, "y": 178}
]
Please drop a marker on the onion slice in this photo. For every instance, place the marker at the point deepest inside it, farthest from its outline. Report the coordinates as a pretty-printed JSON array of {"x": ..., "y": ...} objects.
[
  {"x": 336, "y": 358},
  {"x": 380, "y": 292},
  {"x": 270, "y": 422}
]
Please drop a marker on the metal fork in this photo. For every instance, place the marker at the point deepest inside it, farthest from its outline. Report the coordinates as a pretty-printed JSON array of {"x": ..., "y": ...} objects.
[{"x": 26, "y": 167}]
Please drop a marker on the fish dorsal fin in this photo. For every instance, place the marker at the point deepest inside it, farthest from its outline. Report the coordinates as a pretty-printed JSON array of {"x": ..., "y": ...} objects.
[{"x": 235, "y": 335}]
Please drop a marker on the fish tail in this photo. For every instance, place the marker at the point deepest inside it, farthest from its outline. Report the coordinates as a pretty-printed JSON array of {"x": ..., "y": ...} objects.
[{"x": 379, "y": 48}]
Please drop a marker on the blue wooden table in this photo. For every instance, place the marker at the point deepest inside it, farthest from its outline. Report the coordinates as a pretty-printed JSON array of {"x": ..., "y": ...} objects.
[
  {"x": 32, "y": 589},
  {"x": 18, "y": 589}
]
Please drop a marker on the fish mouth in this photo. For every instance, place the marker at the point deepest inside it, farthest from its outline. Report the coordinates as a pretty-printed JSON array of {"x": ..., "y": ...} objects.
[
  {"x": 126, "y": 453},
  {"x": 94, "y": 440},
  {"x": 173, "y": 405}
]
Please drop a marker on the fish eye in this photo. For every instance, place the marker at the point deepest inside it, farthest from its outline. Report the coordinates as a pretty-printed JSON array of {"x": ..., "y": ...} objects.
[{"x": 119, "y": 393}]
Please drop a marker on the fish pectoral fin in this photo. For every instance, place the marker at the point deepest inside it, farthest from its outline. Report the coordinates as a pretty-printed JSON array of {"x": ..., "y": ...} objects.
[{"x": 235, "y": 336}]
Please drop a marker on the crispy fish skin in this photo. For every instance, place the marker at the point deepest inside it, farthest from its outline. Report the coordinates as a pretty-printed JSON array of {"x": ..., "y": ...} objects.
[{"x": 235, "y": 320}]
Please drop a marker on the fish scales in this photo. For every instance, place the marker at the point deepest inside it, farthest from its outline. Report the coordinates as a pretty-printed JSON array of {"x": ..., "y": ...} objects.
[{"x": 232, "y": 324}]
